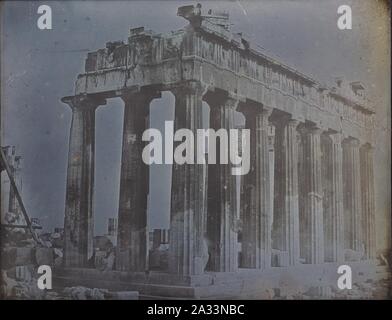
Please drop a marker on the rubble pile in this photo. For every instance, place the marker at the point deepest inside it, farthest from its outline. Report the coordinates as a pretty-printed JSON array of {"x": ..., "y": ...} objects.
[
  {"x": 21, "y": 256},
  {"x": 371, "y": 289},
  {"x": 83, "y": 293}
]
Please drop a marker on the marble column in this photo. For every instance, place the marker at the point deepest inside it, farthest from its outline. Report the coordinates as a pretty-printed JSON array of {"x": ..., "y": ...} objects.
[
  {"x": 368, "y": 205},
  {"x": 352, "y": 195},
  {"x": 313, "y": 205},
  {"x": 188, "y": 249},
  {"x": 333, "y": 199},
  {"x": 271, "y": 149},
  {"x": 286, "y": 211},
  {"x": 256, "y": 202},
  {"x": 79, "y": 218},
  {"x": 222, "y": 196},
  {"x": 132, "y": 238}
]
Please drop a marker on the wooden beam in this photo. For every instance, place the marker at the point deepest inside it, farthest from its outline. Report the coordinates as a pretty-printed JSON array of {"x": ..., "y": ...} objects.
[
  {"x": 5, "y": 165},
  {"x": 18, "y": 226}
]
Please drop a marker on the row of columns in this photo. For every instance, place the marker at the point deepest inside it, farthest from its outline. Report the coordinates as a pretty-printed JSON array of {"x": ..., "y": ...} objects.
[{"x": 307, "y": 218}]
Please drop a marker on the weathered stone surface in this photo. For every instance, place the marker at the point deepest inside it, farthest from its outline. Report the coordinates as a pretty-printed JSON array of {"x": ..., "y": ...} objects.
[
  {"x": 368, "y": 201},
  {"x": 78, "y": 223},
  {"x": 134, "y": 184},
  {"x": 125, "y": 295},
  {"x": 256, "y": 206},
  {"x": 212, "y": 55},
  {"x": 286, "y": 211},
  {"x": 44, "y": 256},
  {"x": 293, "y": 211},
  {"x": 222, "y": 230},
  {"x": 352, "y": 195},
  {"x": 188, "y": 196},
  {"x": 312, "y": 222},
  {"x": 333, "y": 197},
  {"x": 16, "y": 256}
]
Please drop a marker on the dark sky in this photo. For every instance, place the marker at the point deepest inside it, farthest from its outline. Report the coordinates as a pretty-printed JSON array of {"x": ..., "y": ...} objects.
[{"x": 40, "y": 66}]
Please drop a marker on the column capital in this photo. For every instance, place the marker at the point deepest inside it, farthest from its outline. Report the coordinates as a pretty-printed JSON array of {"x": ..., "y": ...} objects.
[
  {"x": 369, "y": 147},
  {"x": 232, "y": 102},
  {"x": 366, "y": 144},
  {"x": 83, "y": 102},
  {"x": 216, "y": 97},
  {"x": 336, "y": 137},
  {"x": 266, "y": 111},
  {"x": 311, "y": 129},
  {"x": 281, "y": 121},
  {"x": 315, "y": 130},
  {"x": 293, "y": 123},
  {"x": 190, "y": 87},
  {"x": 236, "y": 96},
  {"x": 352, "y": 141},
  {"x": 252, "y": 109},
  {"x": 143, "y": 93}
]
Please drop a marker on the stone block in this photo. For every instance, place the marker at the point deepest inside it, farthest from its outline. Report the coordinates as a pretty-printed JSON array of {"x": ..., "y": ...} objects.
[
  {"x": 126, "y": 295},
  {"x": 44, "y": 256},
  {"x": 280, "y": 259}
]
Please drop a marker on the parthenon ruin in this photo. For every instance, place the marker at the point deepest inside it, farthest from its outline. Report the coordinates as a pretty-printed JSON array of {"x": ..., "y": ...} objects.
[{"x": 310, "y": 204}]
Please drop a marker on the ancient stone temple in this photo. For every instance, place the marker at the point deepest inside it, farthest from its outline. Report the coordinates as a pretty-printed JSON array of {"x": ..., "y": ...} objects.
[{"x": 306, "y": 206}]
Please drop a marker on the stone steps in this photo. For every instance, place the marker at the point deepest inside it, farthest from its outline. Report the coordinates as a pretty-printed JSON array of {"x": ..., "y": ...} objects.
[
  {"x": 146, "y": 290},
  {"x": 383, "y": 269},
  {"x": 135, "y": 277},
  {"x": 383, "y": 272},
  {"x": 150, "y": 297},
  {"x": 245, "y": 283}
]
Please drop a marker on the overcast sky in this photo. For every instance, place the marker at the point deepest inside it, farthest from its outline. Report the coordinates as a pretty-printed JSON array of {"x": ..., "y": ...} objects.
[{"x": 40, "y": 66}]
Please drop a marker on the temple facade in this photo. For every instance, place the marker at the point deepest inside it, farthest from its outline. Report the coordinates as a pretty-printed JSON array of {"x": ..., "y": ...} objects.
[{"x": 308, "y": 198}]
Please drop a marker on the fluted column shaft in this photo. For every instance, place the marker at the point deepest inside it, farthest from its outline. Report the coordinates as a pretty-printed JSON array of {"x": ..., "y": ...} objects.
[
  {"x": 222, "y": 199},
  {"x": 256, "y": 235},
  {"x": 132, "y": 238},
  {"x": 368, "y": 206},
  {"x": 187, "y": 250},
  {"x": 286, "y": 212},
  {"x": 313, "y": 209},
  {"x": 352, "y": 194},
  {"x": 336, "y": 222},
  {"x": 79, "y": 218}
]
